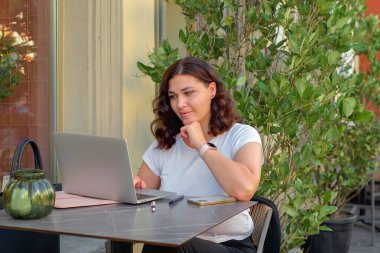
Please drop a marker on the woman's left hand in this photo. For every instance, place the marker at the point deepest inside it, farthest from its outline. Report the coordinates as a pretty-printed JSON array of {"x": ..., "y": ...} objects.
[{"x": 193, "y": 134}]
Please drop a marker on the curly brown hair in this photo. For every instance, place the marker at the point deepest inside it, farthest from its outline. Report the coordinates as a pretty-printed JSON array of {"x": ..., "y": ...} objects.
[{"x": 167, "y": 125}]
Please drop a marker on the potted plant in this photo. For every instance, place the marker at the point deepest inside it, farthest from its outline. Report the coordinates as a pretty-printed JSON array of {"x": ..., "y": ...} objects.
[
  {"x": 348, "y": 171},
  {"x": 279, "y": 59},
  {"x": 350, "y": 166}
]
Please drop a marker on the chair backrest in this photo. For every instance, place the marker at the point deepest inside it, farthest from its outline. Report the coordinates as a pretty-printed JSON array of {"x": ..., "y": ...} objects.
[
  {"x": 269, "y": 238},
  {"x": 261, "y": 215}
]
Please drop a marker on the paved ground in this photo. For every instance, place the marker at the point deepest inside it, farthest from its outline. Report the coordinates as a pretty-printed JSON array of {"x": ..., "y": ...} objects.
[
  {"x": 361, "y": 240},
  {"x": 361, "y": 237},
  {"x": 72, "y": 244}
]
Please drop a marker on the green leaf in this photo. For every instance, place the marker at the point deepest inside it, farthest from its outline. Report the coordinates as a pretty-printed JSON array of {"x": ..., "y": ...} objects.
[
  {"x": 144, "y": 68},
  {"x": 267, "y": 8},
  {"x": 291, "y": 212},
  {"x": 275, "y": 129},
  {"x": 359, "y": 47},
  {"x": 182, "y": 36},
  {"x": 311, "y": 60},
  {"x": 273, "y": 87},
  {"x": 166, "y": 46},
  {"x": 205, "y": 41},
  {"x": 331, "y": 209},
  {"x": 317, "y": 149},
  {"x": 228, "y": 21},
  {"x": 332, "y": 134},
  {"x": 300, "y": 85},
  {"x": 348, "y": 106},
  {"x": 156, "y": 77},
  {"x": 333, "y": 57},
  {"x": 241, "y": 81},
  {"x": 365, "y": 116},
  {"x": 252, "y": 14},
  {"x": 230, "y": 5},
  {"x": 237, "y": 96},
  {"x": 341, "y": 22},
  {"x": 263, "y": 86},
  {"x": 325, "y": 5},
  {"x": 325, "y": 228},
  {"x": 293, "y": 45},
  {"x": 326, "y": 197}
]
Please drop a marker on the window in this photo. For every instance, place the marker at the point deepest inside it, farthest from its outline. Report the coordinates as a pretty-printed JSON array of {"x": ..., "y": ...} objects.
[{"x": 27, "y": 112}]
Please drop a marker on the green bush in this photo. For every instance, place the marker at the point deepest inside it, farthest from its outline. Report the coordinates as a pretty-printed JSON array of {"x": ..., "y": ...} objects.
[{"x": 282, "y": 62}]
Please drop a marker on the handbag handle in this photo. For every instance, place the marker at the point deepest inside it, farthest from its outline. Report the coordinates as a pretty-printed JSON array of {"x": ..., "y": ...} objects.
[
  {"x": 19, "y": 152},
  {"x": 16, "y": 155}
]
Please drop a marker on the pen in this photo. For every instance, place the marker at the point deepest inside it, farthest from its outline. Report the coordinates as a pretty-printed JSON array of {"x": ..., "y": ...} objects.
[{"x": 176, "y": 199}]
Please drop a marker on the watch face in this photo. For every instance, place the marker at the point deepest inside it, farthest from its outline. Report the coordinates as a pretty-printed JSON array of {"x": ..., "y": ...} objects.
[{"x": 211, "y": 144}]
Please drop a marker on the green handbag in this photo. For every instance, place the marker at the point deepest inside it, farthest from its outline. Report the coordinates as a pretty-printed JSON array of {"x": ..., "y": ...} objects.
[{"x": 28, "y": 194}]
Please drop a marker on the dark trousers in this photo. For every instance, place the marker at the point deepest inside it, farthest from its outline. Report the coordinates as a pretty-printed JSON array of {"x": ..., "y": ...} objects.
[{"x": 197, "y": 245}]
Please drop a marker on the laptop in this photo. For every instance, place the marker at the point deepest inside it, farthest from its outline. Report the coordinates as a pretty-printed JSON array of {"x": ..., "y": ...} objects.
[{"x": 99, "y": 167}]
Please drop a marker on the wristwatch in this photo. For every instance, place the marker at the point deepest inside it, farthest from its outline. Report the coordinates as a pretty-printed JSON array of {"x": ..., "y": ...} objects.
[{"x": 206, "y": 147}]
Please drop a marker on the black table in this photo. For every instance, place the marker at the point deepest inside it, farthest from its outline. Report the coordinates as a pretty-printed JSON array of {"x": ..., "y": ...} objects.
[{"x": 169, "y": 225}]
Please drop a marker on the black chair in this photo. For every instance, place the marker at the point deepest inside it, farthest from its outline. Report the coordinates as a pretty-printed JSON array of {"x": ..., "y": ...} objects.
[{"x": 267, "y": 232}]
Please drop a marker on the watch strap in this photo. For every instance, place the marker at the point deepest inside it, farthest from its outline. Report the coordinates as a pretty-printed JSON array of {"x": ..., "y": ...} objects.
[{"x": 206, "y": 147}]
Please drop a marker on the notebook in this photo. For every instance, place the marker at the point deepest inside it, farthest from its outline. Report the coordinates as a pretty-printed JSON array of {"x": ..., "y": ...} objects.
[{"x": 99, "y": 167}]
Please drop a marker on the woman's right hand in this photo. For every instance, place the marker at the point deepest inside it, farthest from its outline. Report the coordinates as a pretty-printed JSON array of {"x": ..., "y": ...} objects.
[
  {"x": 139, "y": 183},
  {"x": 193, "y": 134}
]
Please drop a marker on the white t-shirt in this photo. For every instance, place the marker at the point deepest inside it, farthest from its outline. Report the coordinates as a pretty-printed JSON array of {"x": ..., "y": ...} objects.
[{"x": 183, "y": 171}]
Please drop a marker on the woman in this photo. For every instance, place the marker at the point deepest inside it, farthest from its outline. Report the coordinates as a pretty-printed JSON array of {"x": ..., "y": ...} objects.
[{"x": 202, "y": 150}]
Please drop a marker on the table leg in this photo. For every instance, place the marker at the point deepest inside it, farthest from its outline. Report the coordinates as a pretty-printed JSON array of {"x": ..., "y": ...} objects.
[{"x": 121, "y": 247}]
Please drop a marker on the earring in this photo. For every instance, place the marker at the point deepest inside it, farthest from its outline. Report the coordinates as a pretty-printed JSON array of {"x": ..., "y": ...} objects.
[{"x": 212, "y": 96}]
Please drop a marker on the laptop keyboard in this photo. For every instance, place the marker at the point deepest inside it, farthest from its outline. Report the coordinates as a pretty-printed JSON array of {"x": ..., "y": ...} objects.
[{"x": 144, "y": 196}]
